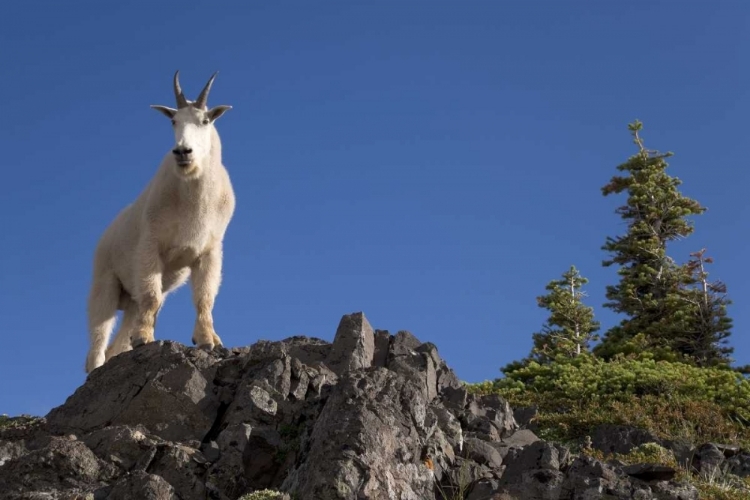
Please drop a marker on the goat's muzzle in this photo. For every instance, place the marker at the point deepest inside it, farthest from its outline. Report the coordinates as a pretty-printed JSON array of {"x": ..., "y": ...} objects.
[{"x": 183, "y": 156}]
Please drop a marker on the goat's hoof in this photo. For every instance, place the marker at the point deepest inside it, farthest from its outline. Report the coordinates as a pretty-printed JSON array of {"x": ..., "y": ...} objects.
[
  {"x": 141, "y": 336},
  {"x": 93, "y": 361},
  {"x": 205, "y": 338},
  {"x": 137, "y": 342}
]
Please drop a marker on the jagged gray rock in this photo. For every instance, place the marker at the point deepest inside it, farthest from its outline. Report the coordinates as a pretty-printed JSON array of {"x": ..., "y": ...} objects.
[
  {"x": 353, "y": 346},
  {"x": 369, "y": 416},
  {"x": 382, "y": 343},
  {"x": 620, "y": 438},
  {"x": 525, "y": 417},
  {"x": 372, "y": 415},
  {"x": 159, "y": 386},
  {"x": 65, "y": 465},
  {"x": 650, "y": 472},
  {"x": 708, "y": 459},
  {"x": 483, "y": 452},
  {"x": 23, "y": 436},
  {"x": 682, "y": 449},
  {"x": 143, "y": 486},
  {"x": 740, "y": 464},
  {"x": 543, "y": 471},
  {"x": 121, "y": 445}
]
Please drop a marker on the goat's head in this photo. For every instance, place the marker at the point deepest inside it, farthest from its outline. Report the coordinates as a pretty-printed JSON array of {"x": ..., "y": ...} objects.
[{"x": 193, "y": 125}]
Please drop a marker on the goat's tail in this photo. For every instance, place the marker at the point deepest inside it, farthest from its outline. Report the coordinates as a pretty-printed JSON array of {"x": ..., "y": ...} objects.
[{"x": 104, "y": 298}]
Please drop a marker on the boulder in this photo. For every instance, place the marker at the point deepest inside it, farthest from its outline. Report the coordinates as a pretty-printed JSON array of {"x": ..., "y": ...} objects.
[
  {"x": 143, "y": 486},
  {"x": 708, "y": 459},
  {"x": 620, "y": 438},
  {"x": 367, "y": 441},
  {"x": 650, "y": 472},
  {"x": 156, "y": 386},
  {"x": 353, "y": 346},
  {"x": 65, "y": 465}
]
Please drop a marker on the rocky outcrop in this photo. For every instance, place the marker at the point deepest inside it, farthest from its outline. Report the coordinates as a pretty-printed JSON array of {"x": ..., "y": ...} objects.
[
  {"x": 620, "y": 439},
  {"x": 369, "y": 416}
]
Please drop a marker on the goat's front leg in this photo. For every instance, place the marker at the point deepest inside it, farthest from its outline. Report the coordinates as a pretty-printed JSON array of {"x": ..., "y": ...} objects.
[
  {"x": 205, "y": 278},
  {"x": 149, "y": 295}
]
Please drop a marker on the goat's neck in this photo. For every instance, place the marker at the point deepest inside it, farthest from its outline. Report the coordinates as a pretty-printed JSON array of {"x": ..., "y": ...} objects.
[{"x": 204, "y": 185}]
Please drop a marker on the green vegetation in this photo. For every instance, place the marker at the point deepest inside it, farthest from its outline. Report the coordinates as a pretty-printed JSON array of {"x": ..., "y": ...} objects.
[
  {"x": 671, "y": 399},
  {"x": 262, "y": 495},
  {"x": 665, "y": 366},
  {"x": 7, "y": 422}
]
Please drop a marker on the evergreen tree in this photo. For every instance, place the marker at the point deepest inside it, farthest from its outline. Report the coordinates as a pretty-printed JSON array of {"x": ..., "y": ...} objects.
[
  {"x": 651, "y": 283},
  {"x": 706, "y": 326},
  {"x": 570, "y": 326}
]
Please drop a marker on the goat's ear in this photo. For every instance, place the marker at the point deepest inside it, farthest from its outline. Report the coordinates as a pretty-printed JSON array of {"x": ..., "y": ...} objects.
[
  {"x": 217, "y": 111},
  {"x": 168, "y": 112}
]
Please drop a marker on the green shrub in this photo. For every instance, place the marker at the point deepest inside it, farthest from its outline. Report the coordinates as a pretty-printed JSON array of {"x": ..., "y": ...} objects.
[
  {"x": 262, "y": 495},
  {"x": 648, "y": 453},
  {"x": 671, "y": 399},
  {"x": 7, "y": 422}
]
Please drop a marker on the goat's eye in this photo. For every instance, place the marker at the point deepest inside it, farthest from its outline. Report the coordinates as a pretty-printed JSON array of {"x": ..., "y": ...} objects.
[
  {"x": 174, "y": 122},
  {"x": 205, "y": 121}
]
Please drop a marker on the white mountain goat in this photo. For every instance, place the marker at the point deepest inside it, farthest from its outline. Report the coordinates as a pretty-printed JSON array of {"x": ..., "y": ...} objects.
[{"x": 172, "y": 231}]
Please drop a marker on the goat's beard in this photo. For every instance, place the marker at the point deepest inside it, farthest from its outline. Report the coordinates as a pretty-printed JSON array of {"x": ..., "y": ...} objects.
[{"x": 190, "y": 172}]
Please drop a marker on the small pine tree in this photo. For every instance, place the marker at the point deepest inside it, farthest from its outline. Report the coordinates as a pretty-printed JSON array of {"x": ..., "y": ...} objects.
[
  {"x": 704, "y": 330},
  {"x": 649, "y": 291},
  {"x": 570, "y": 327}
]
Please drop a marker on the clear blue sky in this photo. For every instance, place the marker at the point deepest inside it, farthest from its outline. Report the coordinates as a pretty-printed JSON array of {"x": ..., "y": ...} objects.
[{"x": 433, "y": 164}]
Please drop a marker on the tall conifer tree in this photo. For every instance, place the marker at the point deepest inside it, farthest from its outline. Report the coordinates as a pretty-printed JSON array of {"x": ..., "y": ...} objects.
[
  {"x": 570, "y": 326},
  {"x": 651, "y": 283},
  {"x": 705, "y": 325}
]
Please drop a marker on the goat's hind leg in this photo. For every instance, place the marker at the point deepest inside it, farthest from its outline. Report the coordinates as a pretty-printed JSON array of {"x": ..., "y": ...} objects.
[
  {"x": 104, "y": 298},
  {"x": 121, "y": 342}
]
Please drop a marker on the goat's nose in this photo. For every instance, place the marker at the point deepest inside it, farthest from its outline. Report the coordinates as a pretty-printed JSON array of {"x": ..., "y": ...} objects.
[{"x": 181, "y": 151}]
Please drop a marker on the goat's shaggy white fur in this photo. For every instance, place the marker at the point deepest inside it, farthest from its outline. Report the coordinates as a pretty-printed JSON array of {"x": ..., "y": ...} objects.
[{"x": 172, "y": 231}]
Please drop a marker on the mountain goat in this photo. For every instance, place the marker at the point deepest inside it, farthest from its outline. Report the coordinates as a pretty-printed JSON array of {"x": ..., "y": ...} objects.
[{"x": 172, "y": 231}]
